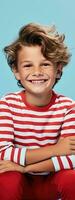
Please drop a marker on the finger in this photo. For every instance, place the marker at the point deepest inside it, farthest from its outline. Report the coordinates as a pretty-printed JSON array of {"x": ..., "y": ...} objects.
[
  {"x": 72, "y": 137},
  {"x": 4, "y": 170},
  {"x": 3, "y": 166},
  {"x": 72, "y": 151},
  {"x": 2, "y": 161},
  {"x": 5, "y": 162},
  {"x": 72, "y": 142}
]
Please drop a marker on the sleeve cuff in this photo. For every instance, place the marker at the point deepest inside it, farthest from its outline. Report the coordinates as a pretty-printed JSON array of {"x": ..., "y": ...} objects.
[
  {"x": 23, "y": 157},
  {"x": 55, "y": 163}
]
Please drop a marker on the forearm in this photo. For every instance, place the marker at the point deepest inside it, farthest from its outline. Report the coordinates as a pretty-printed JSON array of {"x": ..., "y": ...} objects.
[
  {"x": 40, "y": 154},
  {"x": 25, "y": 156},
  {"x": 44, "y": 166},
  {"x": 43, "y": 153}
]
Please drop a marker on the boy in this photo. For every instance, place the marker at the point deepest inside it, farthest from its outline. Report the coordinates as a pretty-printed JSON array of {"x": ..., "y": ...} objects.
[{"x": 37, "y": 126}]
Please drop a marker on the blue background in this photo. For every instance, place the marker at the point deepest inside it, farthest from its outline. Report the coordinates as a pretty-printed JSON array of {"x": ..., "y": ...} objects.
[{"x": 16, "y": 13}]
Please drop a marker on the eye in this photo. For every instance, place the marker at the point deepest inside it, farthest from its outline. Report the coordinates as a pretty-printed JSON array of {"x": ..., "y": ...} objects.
[
  {"x": 27, "y": 65},
  {"x": 46, "y": 64}
]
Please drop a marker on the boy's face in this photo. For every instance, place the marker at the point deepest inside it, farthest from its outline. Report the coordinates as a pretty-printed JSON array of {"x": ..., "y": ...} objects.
[{"x": 35, "y": 72}]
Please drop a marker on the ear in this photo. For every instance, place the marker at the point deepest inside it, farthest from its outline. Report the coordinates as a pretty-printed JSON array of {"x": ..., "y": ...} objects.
[
  {"x": 16, "y": 73},
  {"x": 59, "y": 71}
]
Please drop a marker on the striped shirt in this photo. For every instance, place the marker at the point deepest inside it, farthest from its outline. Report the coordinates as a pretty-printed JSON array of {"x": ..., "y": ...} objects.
[{"x": 23, "y": 126}]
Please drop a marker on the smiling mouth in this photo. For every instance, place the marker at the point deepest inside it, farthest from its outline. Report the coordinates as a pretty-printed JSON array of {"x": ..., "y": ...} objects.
[{"x": 38, "y": 81}]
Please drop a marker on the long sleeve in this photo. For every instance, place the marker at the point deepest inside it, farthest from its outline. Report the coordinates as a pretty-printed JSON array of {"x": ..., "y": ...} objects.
[
  {"x": 22, "y": 128},
  {"x": 68, "y": 129},
  {"x": 8, "y": 151}
]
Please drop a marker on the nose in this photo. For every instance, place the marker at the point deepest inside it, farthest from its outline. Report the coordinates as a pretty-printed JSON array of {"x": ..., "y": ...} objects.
[{"x": 37, "y": 71}]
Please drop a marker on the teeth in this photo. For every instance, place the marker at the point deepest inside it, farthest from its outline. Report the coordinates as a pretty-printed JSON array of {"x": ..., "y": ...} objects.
[{"x": 36, "y": 82}]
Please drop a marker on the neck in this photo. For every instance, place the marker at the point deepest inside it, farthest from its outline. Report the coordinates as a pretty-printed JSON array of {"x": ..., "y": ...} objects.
[{"x": 41, "y": 100}]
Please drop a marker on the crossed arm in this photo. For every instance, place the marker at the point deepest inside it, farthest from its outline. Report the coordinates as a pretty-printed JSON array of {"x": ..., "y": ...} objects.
[{"x": 39, "y": 160}]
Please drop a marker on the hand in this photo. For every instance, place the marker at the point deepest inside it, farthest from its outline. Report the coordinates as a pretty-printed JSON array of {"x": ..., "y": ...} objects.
[
  {"x": 6, "y": 165},
  {"x": 65, "y": 146}
]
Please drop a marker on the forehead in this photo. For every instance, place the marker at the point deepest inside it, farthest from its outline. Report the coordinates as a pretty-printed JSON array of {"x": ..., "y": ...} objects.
[{"x": 30, "y": 52}]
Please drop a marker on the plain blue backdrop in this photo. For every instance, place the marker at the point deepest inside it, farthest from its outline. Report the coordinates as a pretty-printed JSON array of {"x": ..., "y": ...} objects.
[{"x": 16, "y": 13}]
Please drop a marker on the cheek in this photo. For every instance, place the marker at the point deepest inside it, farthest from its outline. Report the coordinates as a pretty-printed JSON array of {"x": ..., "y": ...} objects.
[
  {"x": 23, "y": 75},
  {"x": 52, "y": 75}
]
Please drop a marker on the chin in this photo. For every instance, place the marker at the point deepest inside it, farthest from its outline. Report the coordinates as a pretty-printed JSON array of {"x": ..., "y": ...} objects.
[{"x": 40, "y": 93}]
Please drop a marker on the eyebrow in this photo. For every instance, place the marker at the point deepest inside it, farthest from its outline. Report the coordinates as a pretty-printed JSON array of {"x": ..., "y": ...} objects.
[{"x": 29, "y": 61}]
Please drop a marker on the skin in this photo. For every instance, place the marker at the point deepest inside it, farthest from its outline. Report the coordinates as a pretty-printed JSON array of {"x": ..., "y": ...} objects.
[{"x": 38, "y": 75}]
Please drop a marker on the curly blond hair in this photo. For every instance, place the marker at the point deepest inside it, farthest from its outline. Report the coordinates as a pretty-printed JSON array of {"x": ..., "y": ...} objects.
[{"x": 52, "y": 45}]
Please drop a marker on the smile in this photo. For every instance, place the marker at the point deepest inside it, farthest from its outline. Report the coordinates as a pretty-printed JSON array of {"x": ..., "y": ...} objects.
[{"x": 38, "y": 81}]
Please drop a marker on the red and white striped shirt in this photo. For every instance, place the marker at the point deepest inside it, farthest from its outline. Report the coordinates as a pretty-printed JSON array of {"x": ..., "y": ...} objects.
[{"x": 24, "y": 126}]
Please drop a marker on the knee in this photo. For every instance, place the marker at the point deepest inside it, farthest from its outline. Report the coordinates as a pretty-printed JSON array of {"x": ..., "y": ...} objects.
[
  {"x": 11, "y": 185},
  {"x": 66, "y": 180}
]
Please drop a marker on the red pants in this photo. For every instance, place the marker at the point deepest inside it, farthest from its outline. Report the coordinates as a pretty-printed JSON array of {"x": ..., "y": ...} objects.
[{"x": 17, "y": 186}]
